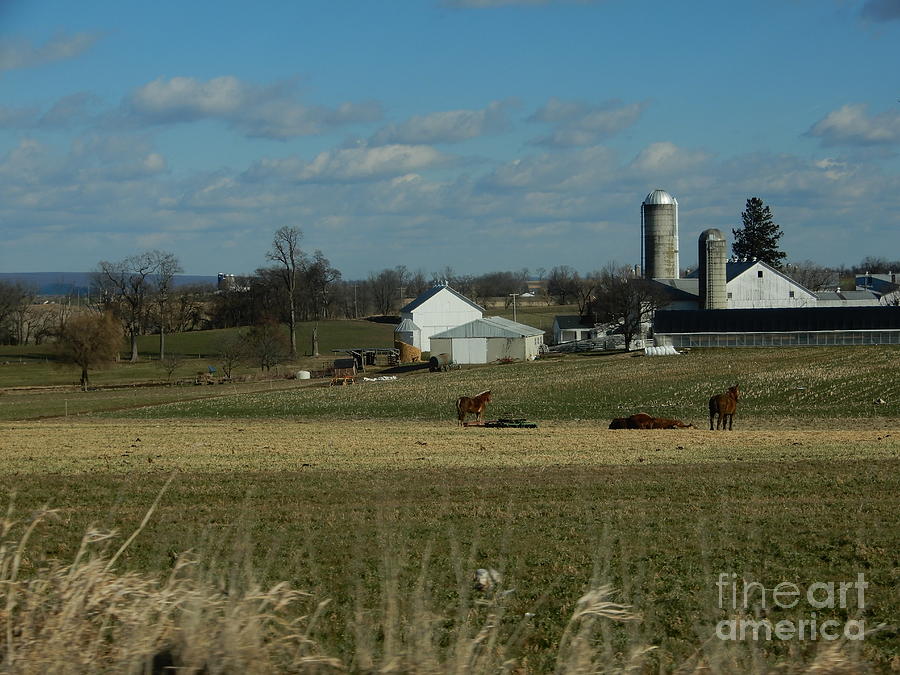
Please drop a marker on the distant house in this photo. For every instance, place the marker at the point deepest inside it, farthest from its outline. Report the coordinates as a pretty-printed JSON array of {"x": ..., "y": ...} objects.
[
  {"x": 883, "y": 286},
  {"x": 438, "y": 309},
  {"x": 571, "y": 327},
  {"x": 489, "y": 339}
]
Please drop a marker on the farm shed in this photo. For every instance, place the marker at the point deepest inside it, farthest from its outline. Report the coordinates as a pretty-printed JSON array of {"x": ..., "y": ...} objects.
[
  {"x": 489, "y": 339},
  {"x": 571, "y": 327},
  {"x": 438, "y": 309},
  {"x": 345, "y": 367},
  {"x": 778, "y": 327}
]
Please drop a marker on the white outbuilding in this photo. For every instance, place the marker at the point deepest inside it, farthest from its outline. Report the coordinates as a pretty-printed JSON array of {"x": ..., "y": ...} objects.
[
  {"x": 438, "y": 309},
  {"x": 489, "y": 339}
]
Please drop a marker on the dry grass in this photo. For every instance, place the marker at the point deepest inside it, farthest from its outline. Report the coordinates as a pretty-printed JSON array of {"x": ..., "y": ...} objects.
[
  {"x": 131, "y": 446},
  {"x": 357, "y": 515},
  {"x": 86, "y": 616}
]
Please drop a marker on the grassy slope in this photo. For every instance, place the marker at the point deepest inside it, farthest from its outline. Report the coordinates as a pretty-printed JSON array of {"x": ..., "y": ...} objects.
[
  {"x": 789, "y": 387},
  {"x": 31, "y": 365}
]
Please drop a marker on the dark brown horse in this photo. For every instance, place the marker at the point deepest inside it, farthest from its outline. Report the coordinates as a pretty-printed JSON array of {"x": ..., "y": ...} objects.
[
  {"x": 645, "y": 421},
  {"x": 723, "y": 405},
  {"x": 476, "y": 404}
]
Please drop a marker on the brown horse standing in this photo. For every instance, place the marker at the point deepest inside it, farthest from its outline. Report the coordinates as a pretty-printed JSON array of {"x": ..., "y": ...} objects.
[
  {"x": 476, "y": 404},
  {"x": 723, "y": 405}
]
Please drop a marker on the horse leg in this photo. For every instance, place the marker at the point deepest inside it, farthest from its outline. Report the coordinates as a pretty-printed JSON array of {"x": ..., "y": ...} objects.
[
  {"x": 730, "y": 421},
  {"x": 711, "y": 416}
]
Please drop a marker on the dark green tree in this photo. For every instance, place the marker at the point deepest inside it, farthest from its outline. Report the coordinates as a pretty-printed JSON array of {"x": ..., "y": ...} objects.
[{"x": 758, "y": 238}]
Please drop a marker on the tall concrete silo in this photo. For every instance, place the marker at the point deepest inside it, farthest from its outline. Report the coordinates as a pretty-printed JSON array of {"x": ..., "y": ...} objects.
[
  {"x": 711, "y": 256},
  {"x": 659, "y": 236}
]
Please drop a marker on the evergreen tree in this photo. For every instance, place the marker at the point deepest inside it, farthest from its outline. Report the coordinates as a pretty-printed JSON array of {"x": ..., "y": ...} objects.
[{"x": 758, "y": 238}]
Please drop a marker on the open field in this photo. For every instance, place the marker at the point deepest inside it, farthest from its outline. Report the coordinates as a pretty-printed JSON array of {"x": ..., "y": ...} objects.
[
  {"x": 330, "y": 507},
  {"x": 790, "y": 388},
  {"x": 31, "y": 365},
  {"x": 371, "y": 497}
]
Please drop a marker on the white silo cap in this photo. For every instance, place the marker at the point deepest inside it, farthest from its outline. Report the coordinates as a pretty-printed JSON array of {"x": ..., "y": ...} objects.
[{"x": 660, "y": 197}]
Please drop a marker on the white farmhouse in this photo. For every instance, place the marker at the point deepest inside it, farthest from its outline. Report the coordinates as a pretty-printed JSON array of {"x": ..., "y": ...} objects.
[
  {"x": 489, "y": 339},
  {"x": 437, "y": 309}
]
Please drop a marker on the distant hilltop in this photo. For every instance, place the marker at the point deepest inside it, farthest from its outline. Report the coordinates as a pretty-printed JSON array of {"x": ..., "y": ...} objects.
[{"x": 64, "y": 283}]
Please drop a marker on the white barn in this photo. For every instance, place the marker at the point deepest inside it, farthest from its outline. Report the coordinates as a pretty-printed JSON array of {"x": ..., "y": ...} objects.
[
  {"x": 752, "y": 284},
  {"x": 438, "y": 309},
  {"x": 489, "y": 339}
]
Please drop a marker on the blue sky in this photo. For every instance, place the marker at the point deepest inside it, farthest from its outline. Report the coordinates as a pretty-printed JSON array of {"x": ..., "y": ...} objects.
[{"x": 474, "y": 134}]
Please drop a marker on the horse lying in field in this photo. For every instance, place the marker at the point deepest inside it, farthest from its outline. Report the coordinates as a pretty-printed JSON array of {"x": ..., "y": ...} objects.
[
  {"x": 645, "y": 421},
  {"x": 723, "y": 405},
  {"x": 476, "y": 404}
]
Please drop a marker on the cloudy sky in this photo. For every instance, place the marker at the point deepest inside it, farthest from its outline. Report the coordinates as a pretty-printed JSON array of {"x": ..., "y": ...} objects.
[{"x": 475, "y": 134}]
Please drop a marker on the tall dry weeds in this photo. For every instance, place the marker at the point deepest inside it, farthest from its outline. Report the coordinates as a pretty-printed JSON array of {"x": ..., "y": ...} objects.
[{"x": 87, "y": 616}]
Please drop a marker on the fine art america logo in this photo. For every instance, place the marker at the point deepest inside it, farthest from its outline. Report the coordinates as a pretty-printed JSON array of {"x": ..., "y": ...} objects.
[{"x": 739, "y": 597}]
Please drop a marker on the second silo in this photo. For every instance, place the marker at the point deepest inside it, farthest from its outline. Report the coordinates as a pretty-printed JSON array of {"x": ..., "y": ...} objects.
[
  {"x": 713, "y": 279},
  {"x": 659, "y": 236}
]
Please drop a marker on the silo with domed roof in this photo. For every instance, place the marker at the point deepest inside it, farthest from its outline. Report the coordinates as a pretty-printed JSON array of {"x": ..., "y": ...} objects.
[{"x": 659, "y": 236}]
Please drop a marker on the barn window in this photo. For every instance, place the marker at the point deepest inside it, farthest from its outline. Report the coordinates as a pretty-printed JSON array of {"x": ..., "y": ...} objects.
[
  {"x": 729, "y": 296},
  {"x": 790, "y": 294},
  {"x": 759, "y": 274}
]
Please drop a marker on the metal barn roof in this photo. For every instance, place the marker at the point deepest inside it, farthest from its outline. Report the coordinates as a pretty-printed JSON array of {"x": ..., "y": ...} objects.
[
  {"x": 406, "y": 326},
  {"x": 433, "y": 291},
  {"x": 805, "y": 319},
  {"x": 490, "y": 327}
]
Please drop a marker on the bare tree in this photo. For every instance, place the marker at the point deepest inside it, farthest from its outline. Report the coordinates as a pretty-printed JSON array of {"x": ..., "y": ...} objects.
[
  {"x": 266, "y": 344},
  {"x": 626, "y": 301},
  {"x": 811, "y": 275},
  {"x": 23, "y": 312},
  {"x": 584, "y": 290},
  {"x": 232, "y": 348},
  {"x": 126, "y": 287},
  {"x": 170, "y": 364},
  {"x": 90, "y": 340},
  {"x": 287, "y": 253},
  {"x": 187, "y": 310},
  {"x": 562, "y": 283},
  {"x": 386, "y": 288},
  {"x": 166, "y": 266}
]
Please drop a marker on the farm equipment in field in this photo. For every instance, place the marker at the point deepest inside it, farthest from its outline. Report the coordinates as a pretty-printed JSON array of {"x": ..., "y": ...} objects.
[{"x": 504, "y": 423}]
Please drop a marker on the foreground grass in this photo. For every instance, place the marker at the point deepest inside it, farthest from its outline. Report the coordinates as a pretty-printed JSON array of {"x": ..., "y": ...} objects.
[
  {"x": 789, "y": 388},
  {"x": 388, "y": 519}
]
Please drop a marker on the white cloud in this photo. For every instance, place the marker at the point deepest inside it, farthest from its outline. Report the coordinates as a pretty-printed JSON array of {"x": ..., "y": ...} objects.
[
  {"x": 852, "y": 125},
  {"x": 555, "y": 171},
  {"x": 578, "y": 123},
  {"x": 19, "y": 54},
  {"x": 271, "y": 111},
  {"x": 666, "y": 157},
  {"x": 450, "y": 126},
  {"x": 351, "y": 164},
  {"x": 109, "y": 189}
]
